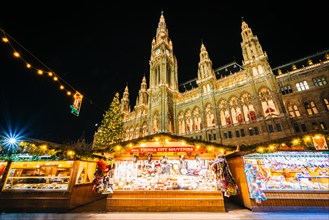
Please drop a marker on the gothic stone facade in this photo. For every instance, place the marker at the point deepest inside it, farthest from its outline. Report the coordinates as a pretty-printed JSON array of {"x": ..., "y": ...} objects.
[{"x": 234, "y": 104}]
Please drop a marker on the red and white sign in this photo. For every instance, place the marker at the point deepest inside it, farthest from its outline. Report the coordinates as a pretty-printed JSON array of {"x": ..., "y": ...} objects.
[{"x": 163, "y": 149}]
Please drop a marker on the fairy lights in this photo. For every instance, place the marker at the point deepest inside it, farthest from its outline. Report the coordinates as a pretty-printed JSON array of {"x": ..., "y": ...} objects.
[{"x": 77, "y": 97}]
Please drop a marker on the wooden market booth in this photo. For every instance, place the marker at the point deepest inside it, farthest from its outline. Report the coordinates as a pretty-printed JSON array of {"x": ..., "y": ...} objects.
[
  {"x": 291, "y": 181},
  {"x": 46, "y": 185},
  {"x": 138, "y": 189}
]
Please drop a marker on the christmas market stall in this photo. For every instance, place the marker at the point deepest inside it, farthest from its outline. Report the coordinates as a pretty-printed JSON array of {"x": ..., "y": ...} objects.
[
  {"x": 282, "y": 180},
  {"x": 164, "y": 173},
  {"x": 34, "y": 183}
]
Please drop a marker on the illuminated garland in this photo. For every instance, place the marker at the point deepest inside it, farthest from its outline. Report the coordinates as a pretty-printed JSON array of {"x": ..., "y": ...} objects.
[
  {"x": 75, "y": 107},
  {"x": 61, "y": 152}
]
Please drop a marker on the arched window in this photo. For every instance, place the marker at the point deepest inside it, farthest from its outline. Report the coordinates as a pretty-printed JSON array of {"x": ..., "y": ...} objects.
[
  {"x": 293, "y": 111},
  {"x": 311, "y": 108},
  {"x": 248, "y": 108},
  {"x": 210, "y": 120},
  {"x": 181, "y": 123},
  {"x": 260, "y": 70},
  {"x": 267, "y": 103},
  {"x": 188, "y": 121},
  {"x": 196, "y": 120}
]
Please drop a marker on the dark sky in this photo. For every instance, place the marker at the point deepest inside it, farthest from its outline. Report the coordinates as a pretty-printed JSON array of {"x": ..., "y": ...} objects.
[{"x": 98, "y": 47}]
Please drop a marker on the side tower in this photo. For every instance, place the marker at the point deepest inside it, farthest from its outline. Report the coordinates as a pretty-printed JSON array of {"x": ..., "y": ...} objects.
[
  {"x": 163, "y": 85},
  {"x": 265, "y": 91}
]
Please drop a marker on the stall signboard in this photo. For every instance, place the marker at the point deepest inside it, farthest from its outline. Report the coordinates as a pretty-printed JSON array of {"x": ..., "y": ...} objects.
[{"x": 162, "y": 149}]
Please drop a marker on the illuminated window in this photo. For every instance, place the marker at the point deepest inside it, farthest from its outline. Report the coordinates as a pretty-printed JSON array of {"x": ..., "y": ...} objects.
[
  {"x": 302, "y": 86},
  {"x": 323, "y": 125},
  {"x": 311, "y": 108},
  {"x": 326, "y": 102},
  {"x": 320, "y": 81},
  {"x": 293, "y": 111}
]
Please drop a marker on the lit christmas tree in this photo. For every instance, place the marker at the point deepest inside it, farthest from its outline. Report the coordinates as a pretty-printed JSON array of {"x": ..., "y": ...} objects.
[{"x": 110, "y": 131}]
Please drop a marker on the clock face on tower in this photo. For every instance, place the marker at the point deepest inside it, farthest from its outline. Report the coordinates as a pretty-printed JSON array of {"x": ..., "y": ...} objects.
[
  {"x": 167, "y": 52},
  {"x": 157, "y": 51}
]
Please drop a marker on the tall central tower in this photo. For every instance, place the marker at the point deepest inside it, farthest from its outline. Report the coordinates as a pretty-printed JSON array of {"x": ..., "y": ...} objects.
[{"x": 163, "y": 82}]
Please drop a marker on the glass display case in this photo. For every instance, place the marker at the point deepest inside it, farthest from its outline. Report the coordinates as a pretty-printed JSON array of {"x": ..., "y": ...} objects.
[
  {"x": 160, "y": 175},
  {"x": 39, "y": 175},
  {"x": 287, "y": 171}
]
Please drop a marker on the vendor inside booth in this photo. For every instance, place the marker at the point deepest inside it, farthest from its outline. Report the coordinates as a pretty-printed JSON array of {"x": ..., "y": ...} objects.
[{"x": 172, "y": 171}]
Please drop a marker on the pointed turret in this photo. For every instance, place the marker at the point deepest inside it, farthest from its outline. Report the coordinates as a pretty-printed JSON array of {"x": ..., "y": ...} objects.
[
  {"x": 125, "y": 101},
  {"x": 205, "y": 71},
  {"x": 143, "y": 93},
  {"x": 251, "y": 49}
]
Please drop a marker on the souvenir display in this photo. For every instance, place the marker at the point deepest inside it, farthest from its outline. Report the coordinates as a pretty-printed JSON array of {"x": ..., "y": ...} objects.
[
  {"x": 225, "y": 180},
  {"x": 287, "y": 171},
  {"x": 39, "y": 175},
  {"x": 164, "y": 174}
]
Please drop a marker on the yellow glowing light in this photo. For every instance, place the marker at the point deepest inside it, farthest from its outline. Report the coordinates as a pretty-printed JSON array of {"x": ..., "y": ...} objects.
[
  {"x": 61, "y": 87},
  {"x": 50, "y": 74},
  {"x": 283, "y": 144},
  {"x": 156, "y": 139},
  {"x": 307, "y": 139},
  {"x": 40, "y": 72},
  {"x": 221, "y": 150},
  {"x": 143, "y": 145},
  {"x": 261, "y": 149},
  {"x": 317, "y": 136},
  {"x": 43, "y": 147},
  {"x": 4, "y": 39},
  {"x": 55, "y": 78},
  {"x": 68, "y": 93},
  {"x": 272, "y": 147},
  {"x": 210, "y": 148},
  {"x": 28, "y": 65},
  {"x": 183, "y": 143},
  {"x": 197, "y": 147},
  {"x": 167, "y": 140},
  {"x": 295, "y": 141},
  {"x": 130, "y": 145},
  {"x": 70, "y": 153},
  {"x": 118, "y": 147},
  {"x": 16, "y": 54}
]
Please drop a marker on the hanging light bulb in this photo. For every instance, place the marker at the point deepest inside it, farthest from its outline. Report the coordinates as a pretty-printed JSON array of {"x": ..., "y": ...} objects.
[
  {"x": 40, "y": 72},
  {"x": 50, "y": 74},
  {"x": 4, "y": 39},
  {"x": 16, "y": 54},
  {"x": 28, "y": 65},
  {"x": 61, "y": 87},
  {"x": 55, "y": 78}
]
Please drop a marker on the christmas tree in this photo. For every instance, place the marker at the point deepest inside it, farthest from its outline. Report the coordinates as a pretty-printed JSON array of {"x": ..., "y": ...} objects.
[{"x": 110, "y": 131}]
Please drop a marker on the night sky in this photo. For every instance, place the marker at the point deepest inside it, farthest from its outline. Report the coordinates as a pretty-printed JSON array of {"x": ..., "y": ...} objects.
[{"x": 99, "y": 47}]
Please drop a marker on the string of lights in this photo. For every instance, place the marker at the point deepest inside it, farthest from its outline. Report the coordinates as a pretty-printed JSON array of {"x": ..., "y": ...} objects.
[{"x": 45, "y": 70}]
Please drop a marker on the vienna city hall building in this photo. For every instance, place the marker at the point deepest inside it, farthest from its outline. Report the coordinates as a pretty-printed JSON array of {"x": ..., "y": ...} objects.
[{"x": 233, "y": 104}]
